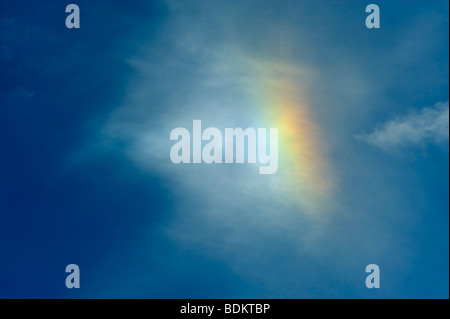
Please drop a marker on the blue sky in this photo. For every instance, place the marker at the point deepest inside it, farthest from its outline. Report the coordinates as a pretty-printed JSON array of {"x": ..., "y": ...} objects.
[{"x": 86, "y": 178}]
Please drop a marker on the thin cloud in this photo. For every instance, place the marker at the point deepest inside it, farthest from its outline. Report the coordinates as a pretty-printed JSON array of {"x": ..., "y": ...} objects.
[
  {"x": 429, "y": 125},
  {"x": 231, "y": 214}
]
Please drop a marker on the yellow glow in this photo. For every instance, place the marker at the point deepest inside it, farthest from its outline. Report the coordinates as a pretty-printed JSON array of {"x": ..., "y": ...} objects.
[{"x": 304, "y": 167}]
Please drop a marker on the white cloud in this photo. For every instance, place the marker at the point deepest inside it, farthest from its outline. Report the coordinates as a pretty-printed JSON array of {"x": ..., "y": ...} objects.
[{"x": 429, "y": 125}]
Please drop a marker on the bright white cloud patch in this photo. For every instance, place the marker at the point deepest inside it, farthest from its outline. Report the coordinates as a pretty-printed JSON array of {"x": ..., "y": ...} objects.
[{"x": 429, "y": 125}]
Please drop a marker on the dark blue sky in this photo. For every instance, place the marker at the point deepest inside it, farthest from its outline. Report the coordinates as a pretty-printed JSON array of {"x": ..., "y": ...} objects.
[{"x": 85, "y": 176}]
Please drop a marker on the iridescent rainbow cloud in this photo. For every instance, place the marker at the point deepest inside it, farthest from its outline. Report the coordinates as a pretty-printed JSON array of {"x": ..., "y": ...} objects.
[{"x": 304, "y": 172}]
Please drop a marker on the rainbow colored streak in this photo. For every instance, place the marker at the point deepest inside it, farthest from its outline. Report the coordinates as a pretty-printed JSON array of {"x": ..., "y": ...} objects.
[{"x": 301, "y": 160}]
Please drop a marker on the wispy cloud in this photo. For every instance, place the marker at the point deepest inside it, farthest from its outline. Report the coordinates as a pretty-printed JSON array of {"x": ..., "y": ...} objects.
[
  {"x": 205, "y": 67},
  {"x": 429, "y": 125}
]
